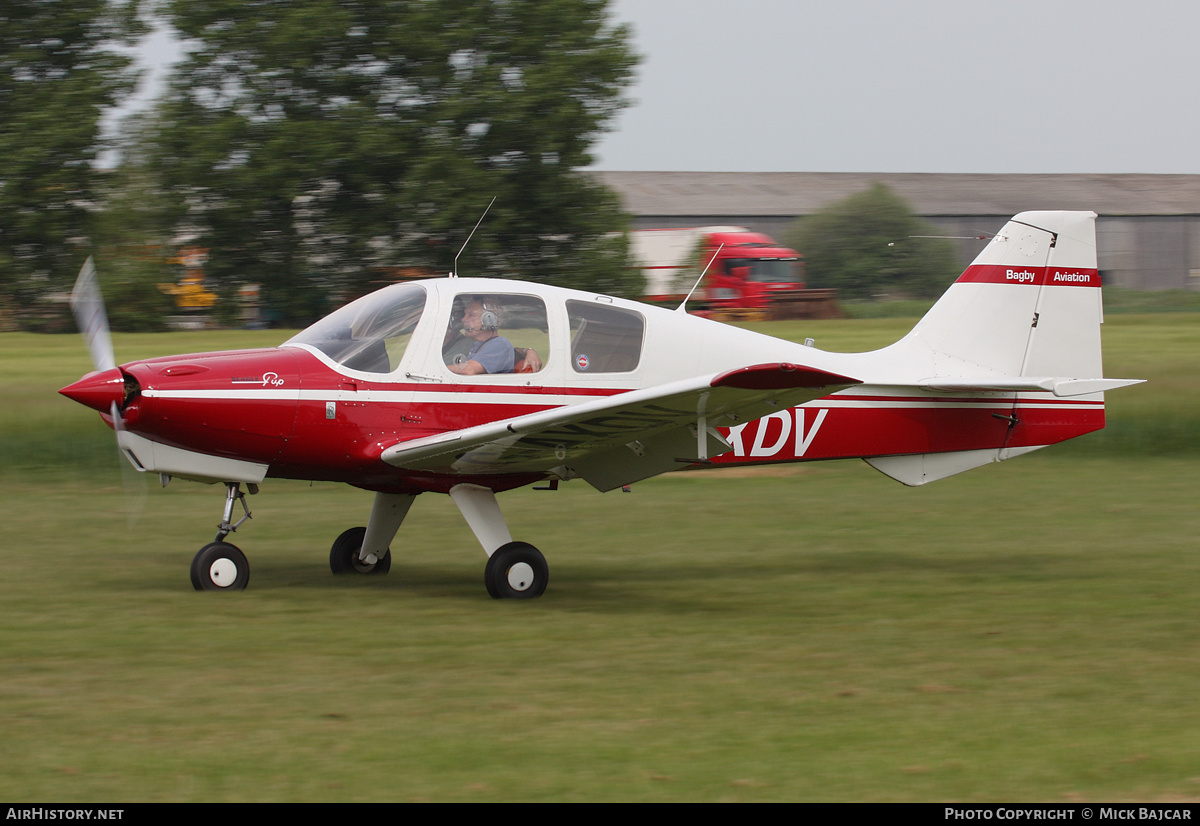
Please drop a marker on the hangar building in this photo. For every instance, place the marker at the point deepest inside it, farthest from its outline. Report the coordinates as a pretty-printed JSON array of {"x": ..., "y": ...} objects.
[{"x": 1148, "y": 232}]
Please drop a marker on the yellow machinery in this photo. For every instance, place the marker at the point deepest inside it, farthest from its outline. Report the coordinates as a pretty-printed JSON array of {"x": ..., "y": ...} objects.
[{"x": 190, "y": 294}]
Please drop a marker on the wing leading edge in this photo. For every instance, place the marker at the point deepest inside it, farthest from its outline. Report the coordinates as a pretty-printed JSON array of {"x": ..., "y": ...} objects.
[{"x": 620, "y": 439}]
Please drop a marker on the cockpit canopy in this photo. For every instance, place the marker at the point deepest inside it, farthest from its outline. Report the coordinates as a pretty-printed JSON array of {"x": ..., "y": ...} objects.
[
  {"x": 373, "y": 334},
  {"x": 370, "y": 334}
]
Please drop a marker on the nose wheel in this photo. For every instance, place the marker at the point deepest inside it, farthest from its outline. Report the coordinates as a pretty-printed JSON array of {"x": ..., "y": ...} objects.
[
  {"x": 220, "y": 566},
  {"x": 516, "y": 571}
]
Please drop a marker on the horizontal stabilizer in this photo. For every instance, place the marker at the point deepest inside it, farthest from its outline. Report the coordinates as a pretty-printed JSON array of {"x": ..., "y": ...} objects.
[{"x": 1026, "y": 384}]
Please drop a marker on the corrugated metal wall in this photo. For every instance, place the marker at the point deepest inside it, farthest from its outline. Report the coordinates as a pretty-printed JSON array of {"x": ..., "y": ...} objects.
[
  {"x": 1148, "y": 233},
  {"x": 1144, "y": 252}
]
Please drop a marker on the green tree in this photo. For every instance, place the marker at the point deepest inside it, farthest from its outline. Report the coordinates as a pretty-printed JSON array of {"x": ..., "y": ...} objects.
[
  {"x": 868, "y": 246},
  {"x": 134, "y": 242},
  {"x": 59, "y": 71},
  {"x": 315, "y": 147}
]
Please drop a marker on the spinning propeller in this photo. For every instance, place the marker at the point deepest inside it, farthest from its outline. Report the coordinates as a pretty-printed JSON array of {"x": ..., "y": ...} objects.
[
  {"x": 107, "y": 384},
  {"x": 88, "y": 307}
]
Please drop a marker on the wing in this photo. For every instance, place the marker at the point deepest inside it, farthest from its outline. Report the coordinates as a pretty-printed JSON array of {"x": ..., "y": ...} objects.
[{"x": 620, "y": 439}]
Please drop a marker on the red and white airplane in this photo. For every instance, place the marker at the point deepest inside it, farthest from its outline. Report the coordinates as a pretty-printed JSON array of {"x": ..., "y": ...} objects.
[{"x": 471, "y": 387}]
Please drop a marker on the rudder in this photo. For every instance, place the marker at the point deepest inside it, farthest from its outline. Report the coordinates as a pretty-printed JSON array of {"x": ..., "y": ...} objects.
[
  {"x": 1024, "y": 318},
  {"x": 1029, "y": 305}
]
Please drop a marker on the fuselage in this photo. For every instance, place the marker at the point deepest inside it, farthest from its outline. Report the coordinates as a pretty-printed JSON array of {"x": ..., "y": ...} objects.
[{"x": 328, "y": 402}]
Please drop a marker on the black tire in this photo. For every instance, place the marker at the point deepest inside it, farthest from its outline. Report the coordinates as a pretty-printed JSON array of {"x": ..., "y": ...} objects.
[
  {"x": 516, "y": 571},
  {"x": 343, "y": 556},
  {"x": 219, "y": 566}
]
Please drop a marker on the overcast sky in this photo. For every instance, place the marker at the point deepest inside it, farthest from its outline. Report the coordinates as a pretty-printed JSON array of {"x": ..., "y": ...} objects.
[
  {"x": 1081, "y": 86},
  {"x": 911, "y": 86}
]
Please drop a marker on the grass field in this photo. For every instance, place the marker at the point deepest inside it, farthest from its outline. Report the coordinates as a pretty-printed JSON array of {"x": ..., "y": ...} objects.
[{"x": 1027, "y": 631}]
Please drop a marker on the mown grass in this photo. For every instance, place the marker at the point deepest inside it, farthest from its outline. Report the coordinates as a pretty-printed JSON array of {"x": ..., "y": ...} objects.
[{"x": 1026, "y": 631}]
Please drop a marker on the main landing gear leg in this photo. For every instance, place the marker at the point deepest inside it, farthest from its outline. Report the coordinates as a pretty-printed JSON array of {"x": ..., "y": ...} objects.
[
  {"x": 515, "y": 570},
  {"x": 220, "y": 566},
  {"x": 365, "y": 550}
]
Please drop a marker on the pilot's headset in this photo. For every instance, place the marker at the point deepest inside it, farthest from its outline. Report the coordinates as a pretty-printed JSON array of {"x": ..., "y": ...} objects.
[{"x": 489, "y": 319}]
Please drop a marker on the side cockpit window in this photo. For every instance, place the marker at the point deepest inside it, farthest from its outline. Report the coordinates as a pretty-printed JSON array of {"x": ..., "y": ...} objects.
[
  {"x": 604, "y": 339},
  {"x": 496, "y": 334},
  {"x": 370, "y": 334}
]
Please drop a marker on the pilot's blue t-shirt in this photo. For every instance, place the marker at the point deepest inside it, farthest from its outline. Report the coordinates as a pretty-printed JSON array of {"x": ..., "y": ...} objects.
[{"x": 495, "y": 355}]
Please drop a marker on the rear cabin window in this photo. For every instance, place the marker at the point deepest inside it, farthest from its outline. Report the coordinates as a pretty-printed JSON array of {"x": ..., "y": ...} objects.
[{"x": 604, "y": 339}]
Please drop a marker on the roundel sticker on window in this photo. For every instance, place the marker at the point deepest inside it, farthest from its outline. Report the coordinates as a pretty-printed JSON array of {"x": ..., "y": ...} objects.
[{"x": 581, "y": 361}]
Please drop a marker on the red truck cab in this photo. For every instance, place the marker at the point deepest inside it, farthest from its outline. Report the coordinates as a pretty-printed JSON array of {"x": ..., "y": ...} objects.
[{"x": 747, "y": 269}]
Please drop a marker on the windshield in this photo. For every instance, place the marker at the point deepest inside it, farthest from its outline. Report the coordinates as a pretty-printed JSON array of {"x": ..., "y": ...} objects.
[
  {"x": 370, "y": 334},
  {"x": 768, "y": 270}
]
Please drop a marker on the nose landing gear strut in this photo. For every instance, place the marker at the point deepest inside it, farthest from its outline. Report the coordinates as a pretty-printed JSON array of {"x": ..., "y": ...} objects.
[{"x": 219, "y": 565}]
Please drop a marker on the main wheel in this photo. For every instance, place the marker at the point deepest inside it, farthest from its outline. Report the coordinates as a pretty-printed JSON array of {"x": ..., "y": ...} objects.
[
  {"x": 219, "y": 566},
  {"x": 516, "y": 571},
  {"x": 343, "y": 556}
]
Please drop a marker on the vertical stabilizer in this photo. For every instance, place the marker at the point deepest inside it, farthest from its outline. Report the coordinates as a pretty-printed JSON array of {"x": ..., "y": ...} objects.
[
  {"x": 1007, "y": 362},
  {"x": 1023, "y": 318},
  {"x": 1029, "y": 305}
]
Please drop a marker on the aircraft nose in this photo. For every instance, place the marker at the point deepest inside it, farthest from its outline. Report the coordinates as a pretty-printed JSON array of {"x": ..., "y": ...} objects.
[{"x": 99, "y": 391}]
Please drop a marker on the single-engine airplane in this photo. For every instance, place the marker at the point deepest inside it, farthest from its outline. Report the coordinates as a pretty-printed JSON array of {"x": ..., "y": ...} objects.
[{"x": 472, "y": 386}]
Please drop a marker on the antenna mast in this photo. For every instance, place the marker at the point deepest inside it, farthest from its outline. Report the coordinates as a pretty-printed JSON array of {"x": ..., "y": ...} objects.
[
  {"x": 682, "y": 304},
  {"x": 469, "y": 237}
]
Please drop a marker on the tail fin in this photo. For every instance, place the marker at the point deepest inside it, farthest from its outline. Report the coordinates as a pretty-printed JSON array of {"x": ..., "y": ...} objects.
[
  {"x": 1024, "y": 318},
  {"x": 1028, "y": 306},
  {"x": 1008, "y": 361}
]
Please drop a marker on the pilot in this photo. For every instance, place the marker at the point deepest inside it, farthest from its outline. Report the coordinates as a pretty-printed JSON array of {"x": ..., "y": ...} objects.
[{"x": 491, "y": 352}]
